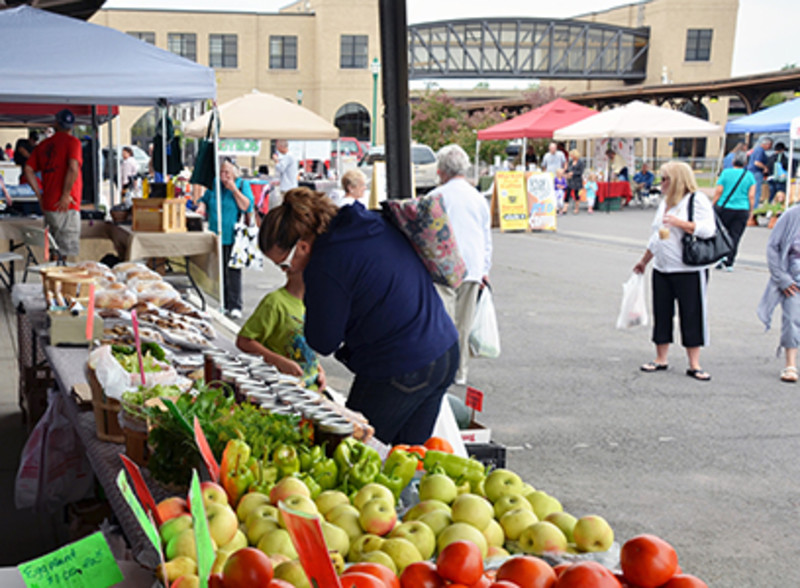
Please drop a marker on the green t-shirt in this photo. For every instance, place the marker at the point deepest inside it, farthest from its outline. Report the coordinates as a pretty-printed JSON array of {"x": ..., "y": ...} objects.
[{"x": 277, "y": 323}]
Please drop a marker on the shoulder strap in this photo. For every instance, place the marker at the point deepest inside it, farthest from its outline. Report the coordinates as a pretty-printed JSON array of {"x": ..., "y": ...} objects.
[
  {"x": 736, "y": 185},
  {"x": 690, "y": 208}
]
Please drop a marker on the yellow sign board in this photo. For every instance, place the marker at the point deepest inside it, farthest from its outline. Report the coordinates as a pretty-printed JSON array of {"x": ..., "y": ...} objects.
[{"x": 512, "y": 202}]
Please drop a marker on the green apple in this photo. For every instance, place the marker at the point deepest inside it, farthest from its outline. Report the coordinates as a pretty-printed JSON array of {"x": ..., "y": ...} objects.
[
  {"x": 419, "y": 534},
  {"x": 500, "y": 483},
  {"x": 298, "y": 502},
  {"x": 380, "y": 557},
  {"x": 289, "y": 486},
  {"x": 542, "y": 537},
  {"x": 497, "y": 552},
  {"x": 222, "y": 522},
  {"x": 261, "y": 511},
  {"x": 329, "y": 499},
  {"x": 472, "y": 509},
  {"x": 292, "y": 572},
  {"x": 461, "y": 532},
  {"x": 527, "y": 489},
  {"x": 510, "y": 502},
  {"x": 363, "y": 545},
  {"x": 338, "y": 562},
  {"x": 402, "y": 552},
  {"x": 213, "y": 492},
  {"x": 437, "y": 487},
  {"x": 565, "y": 522},
  {"x": 220, "y": 558},
  {"x": 174, "y": 526},
  {"x": 260, "y": 528},
  {"x": 335, "y": 538},
  {"x": 437, "y": 520},
  {"x": 277, "y": 541},
  {"x": 424, "y": 507},
  {"x": 370, "y": 491},
  {"x": 238, "y": 542},
  {"x": 378, "y": 516},
  {"x": 346, "y": 517},
  {"x": 543, "y": 504},
  {"x": 187, "y": 581},
  {"x": 593, "y": 533},
  {"x": 515, "y": 521},
  {"x": 175, "y": 568},
  {"x": 248, "y": 502},
  {"x": 183, "y": 544},
  {"x": 494, "y": 534}
]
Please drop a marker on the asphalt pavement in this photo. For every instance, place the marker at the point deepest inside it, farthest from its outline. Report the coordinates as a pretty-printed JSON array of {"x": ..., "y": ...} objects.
[{"x": 711, "y": 467}]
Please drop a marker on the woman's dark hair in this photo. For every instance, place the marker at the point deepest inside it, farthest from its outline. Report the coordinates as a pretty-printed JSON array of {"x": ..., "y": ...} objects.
[{"x": 303, "y": 213}]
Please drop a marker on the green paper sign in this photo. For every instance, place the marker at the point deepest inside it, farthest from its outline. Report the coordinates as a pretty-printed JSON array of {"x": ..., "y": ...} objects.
[
  {"x": 202, "y": 536},
  {"x": 239, "y": 147},
  {"x": 86, "y": 563},
  {"x": 145, "y": 521}
]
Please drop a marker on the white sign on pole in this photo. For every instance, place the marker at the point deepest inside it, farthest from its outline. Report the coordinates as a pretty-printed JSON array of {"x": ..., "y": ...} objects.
[{"x": 794, "y": 128}]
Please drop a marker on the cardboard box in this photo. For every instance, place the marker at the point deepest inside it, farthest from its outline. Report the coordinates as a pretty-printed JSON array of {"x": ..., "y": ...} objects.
[
  {"x": 67, "y": 329},
  {"x": 476, "y": 433}
]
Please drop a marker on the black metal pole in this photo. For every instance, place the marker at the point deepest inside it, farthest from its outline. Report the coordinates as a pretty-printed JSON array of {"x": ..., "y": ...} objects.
[{"x": 397, "y": 112}]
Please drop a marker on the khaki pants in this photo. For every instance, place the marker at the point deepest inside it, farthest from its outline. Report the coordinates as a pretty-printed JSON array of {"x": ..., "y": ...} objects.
[{"x": 460, "y": 305}]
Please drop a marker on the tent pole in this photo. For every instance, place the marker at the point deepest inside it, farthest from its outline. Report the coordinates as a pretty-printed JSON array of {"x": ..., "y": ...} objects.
[
  {"x": 95, "y": 150},
  {"x": 119, "y": 150},
  {"x": 218, "y": 194},
  {"x": 117, "y": 166},
  {"x": 524, "y": 153},
  {"x": 477, "y": 159},
  {"x": 164, "y": 143},
  {"x": 789, "y": 172}
]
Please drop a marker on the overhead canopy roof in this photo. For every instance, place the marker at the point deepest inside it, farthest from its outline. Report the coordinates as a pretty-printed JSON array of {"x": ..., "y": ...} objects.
[
  {"x": 264, "y": 116},
  {"x": 83, "y": 9},
  {"x": 68, "y": 61},
  {"x": 638, "y": 119},
  {"x": 539, "y": 123},
  {"x": 775, "y": 119},
  {"x": 31, "y": 115}
]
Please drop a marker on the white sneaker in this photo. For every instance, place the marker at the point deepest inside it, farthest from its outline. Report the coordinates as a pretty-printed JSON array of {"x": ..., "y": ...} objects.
[
  {"x": 460, "y": 381},
  {"x": 236, "y": 314}
]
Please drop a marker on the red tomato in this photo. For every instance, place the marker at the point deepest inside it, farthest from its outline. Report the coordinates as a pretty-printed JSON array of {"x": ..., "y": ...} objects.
[
  {"x": 439, "y": 444},
  {"x": 685, "y": 581},
  {"x": 503, "y": 584},
  {"x": 419, "y": 450},
  {"x": 460, "y": 562},
  {"x": 527, "y": 571},
  {"x": 587, "y": 574},
  {"x": 380, "y": 571},
  {"x": 247, "y": 567},
  {"x": 215, "y": 581},
  {"x": 484, "y": 582},
  {"x": 278, "y": 583},
  {"x": 360, "y": 580},
  {"x": 559, "y": 569},
  {"x": 421, "y": 574},
  {"x": 648, "y": 561}
]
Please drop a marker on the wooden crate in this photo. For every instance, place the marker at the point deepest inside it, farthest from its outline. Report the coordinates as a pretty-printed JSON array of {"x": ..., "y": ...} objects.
[
  {"x": 106, "y": 413},
  {"x": 160, "y": 215}
]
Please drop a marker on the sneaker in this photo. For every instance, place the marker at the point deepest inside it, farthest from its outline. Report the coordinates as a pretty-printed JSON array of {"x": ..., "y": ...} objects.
[
  {"x": 236, "y": 314},
  {"x": 460, "y": 381},
  {"x": 728, "y": 268}
]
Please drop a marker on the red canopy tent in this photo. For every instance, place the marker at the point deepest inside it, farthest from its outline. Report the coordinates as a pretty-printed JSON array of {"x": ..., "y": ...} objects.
[{"x": 540, "y": 123}]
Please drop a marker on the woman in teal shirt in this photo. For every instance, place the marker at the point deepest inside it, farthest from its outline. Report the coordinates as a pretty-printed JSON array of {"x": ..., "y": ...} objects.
[
  {"x": 237, "y": 198},
  {"x": 733, "y": 200}
]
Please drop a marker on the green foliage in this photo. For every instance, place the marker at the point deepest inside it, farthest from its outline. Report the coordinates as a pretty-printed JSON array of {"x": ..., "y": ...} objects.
[{"x": 773, "y": 99}]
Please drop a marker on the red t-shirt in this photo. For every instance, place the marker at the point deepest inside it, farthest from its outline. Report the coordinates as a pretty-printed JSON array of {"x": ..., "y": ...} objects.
[{"x": 51, "y": 158}]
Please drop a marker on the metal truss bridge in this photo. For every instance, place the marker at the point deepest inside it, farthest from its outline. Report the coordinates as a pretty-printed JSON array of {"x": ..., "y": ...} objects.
[{"x": 527, "y": 48}]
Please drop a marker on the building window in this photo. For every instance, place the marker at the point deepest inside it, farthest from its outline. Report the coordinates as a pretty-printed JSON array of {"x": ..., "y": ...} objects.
[
  {"x": 222, "y": 51},
  {"x": 354, "y": 52},
  {"x": 282, "y": 52},
  {"x": 183, "y": 44},
  {"x": 698, "y": 44},
  {"x": 146, "y": 36}
]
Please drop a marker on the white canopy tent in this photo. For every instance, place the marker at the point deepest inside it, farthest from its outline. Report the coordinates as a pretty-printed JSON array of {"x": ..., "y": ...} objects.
[{"x": 639, "y": 120}]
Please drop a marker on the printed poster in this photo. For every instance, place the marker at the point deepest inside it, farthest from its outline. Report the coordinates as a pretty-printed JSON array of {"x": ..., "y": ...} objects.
[
  {"x": 511, "y": 200},
  {"x": 541, "y": 201}
]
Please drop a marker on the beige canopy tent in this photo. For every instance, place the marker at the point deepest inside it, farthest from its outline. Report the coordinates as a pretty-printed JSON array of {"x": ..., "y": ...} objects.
[{"x": 264, "y": 116}]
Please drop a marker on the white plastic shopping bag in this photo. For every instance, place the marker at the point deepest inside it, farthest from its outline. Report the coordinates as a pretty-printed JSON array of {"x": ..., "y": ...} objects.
[
  {"x": 633, "y": 310},
  {"x": 446, "y": 427},
  {"x": 484, "y": 338}
]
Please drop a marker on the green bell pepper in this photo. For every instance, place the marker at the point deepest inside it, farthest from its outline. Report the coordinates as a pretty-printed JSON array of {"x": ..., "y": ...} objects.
[
  {"x": 398, "y": 470},
  {"x": 311, "y": 483},
  {"x": 358, "y": 463},
  {"x": 457, "y": 467},
  {"x": 325, "y": 473},
  {"x": 286, "y": 459},
  {"x": 235, "y": 472}
]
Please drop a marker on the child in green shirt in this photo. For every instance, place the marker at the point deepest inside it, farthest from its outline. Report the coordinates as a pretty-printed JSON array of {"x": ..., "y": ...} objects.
[{"x": 275, "y": 332}]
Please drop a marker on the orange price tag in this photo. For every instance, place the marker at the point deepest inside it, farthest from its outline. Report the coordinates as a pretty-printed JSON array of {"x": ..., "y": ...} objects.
[
  {"x": 474, "y": 399},
  {"x": 306, "y": 534},
  {"x": 205, "y": 451}
]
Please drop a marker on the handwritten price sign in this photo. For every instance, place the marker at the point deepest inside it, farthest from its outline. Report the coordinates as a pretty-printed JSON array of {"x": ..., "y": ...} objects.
[{"x": 87, "y": 563}]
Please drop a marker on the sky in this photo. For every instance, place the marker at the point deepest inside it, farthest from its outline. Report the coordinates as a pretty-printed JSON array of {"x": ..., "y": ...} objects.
[{"x": 764, "y": 42}]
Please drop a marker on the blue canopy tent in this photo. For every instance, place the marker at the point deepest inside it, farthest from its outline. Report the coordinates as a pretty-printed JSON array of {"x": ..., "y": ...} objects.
[{"x": 776, "y": 119}]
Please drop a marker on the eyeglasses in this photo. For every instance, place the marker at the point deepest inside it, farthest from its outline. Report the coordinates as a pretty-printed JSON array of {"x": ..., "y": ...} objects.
[{"x": 286, "y": 264}]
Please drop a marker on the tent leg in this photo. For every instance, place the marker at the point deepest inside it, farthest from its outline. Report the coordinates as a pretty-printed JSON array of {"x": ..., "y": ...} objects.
[
  {"x": 218, "y": 193},
  {"x": 111, "y": 184},
  {"x": 524, "y": 153},
  {"x": 789, "y": 174},
  {"x": 164, "y": 143},
  {"x": 477, "y": 159}
]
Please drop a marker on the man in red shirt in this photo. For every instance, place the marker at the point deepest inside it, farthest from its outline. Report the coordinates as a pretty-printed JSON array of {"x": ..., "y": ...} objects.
[{"x": 58, "y": 162}]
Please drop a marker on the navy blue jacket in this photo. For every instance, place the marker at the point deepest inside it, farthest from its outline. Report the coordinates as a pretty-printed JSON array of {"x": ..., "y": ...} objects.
[{"x": 370, "y": 299}]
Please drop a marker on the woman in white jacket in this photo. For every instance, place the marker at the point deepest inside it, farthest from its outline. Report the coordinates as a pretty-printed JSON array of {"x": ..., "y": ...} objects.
[{"x": 672, "y": 279}]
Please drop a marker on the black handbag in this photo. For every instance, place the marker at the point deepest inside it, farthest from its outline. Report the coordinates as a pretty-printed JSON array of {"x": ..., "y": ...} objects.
[
  {"x": 204, "y": 169},
  {"x": 697, "y": 251}
]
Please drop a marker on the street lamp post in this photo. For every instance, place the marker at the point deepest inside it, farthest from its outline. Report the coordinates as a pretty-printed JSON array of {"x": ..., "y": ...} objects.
[{"x": 375, "y": 68}]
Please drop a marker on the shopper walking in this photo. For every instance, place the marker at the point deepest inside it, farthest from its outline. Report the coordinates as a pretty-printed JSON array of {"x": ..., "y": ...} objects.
[
  {"x": 574, "y": 181},
  {"x": 733, "y": 200},
  {"x": 758, "y": 165},
  {"x": 672, "y": 279}
]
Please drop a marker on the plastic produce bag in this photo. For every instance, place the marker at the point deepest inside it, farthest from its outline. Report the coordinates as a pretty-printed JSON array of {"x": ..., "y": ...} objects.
[
  {"x": 633, "y": 310},
  {"x": 54, "y": 469},
  {"x": 484, "y": 338},
  {"x": 245, "y": 252}
]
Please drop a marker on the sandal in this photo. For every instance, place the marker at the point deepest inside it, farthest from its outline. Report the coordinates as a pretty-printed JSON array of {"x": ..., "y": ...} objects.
[
  {"x": 652, "y": 366},
  {"x": 789, "y": 374},
  {"x": 698, "y": 375}
]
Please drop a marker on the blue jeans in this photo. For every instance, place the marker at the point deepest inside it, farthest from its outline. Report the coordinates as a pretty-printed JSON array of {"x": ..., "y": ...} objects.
[
  {"x": 404, "y": 409},
  {"x": 759, "y": 176}
]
